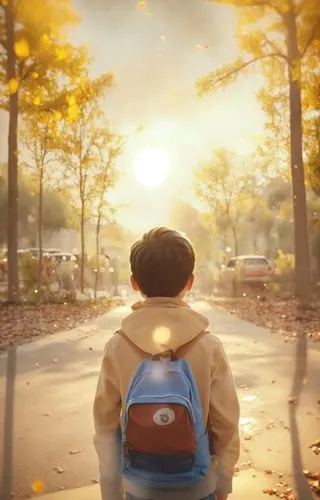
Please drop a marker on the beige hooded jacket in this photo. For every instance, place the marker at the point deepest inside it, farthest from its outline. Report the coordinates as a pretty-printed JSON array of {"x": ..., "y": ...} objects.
[{"x": 156, "y": 325}]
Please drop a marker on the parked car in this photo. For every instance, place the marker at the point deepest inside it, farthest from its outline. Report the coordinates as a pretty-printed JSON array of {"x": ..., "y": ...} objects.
[
  {"x": 59, "y": 257},
  {"x": 254, "y": 271}
]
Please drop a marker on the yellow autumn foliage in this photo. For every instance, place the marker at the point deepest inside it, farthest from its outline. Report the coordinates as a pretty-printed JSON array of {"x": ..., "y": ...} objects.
[{"x": 21, "y": 48}]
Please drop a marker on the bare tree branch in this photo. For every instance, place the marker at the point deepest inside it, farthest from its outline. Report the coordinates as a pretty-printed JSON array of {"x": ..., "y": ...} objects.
[
  {"x": 28, "y": 71},
  {"x": 242, "y": 66},
  {"x": 311, "y": 37},
  {"x": 276, "y": 49}
]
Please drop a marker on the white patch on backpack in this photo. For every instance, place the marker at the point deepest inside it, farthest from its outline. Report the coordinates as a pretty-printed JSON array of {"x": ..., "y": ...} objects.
[{"x": 164, "y": 416}]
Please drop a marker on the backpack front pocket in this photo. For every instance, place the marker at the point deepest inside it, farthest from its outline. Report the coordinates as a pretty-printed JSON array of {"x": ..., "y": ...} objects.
[{"x": 160, "y": 438}]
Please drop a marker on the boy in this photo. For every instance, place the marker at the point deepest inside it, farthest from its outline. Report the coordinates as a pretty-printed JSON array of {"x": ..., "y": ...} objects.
[{"x": 162, "y": 266}]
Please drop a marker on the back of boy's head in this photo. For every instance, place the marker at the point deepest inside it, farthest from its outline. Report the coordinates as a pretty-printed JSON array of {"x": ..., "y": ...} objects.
[{"x": 162, "y": 262}]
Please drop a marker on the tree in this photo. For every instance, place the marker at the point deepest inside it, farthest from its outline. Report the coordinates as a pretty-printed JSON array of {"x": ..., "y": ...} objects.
[
  {"x": 187, "y": 218},
  {"x": 12, "y": 218},
  {"x": 58, "y": 211},
  {"x": 83, "y": 138},
  {"x": 32, "y": 45},
  {"x": 284, "y": 32},
  {"x": 224, "y": 191},
  {"x": 106, "y": 176},
  {"x": 37, "y": 135}
]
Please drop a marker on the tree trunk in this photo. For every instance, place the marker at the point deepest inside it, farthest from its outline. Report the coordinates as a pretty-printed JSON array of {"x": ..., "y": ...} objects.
[
  {"x": 235, "y": 240},
  {"x": 96, "y": 278},
  {"x": 12, "y": 214},
  {"x": 40, "y": 216},
  {"x": 82, "y": 264},
  {"x": 301, "y": 230}
]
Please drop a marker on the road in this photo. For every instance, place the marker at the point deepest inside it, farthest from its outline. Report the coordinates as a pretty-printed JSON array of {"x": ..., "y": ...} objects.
[{"x": 54, "y": 385}]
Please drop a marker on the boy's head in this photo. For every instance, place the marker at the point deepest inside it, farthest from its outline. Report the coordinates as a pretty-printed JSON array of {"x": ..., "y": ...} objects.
[{"x": 162, "y": 263}]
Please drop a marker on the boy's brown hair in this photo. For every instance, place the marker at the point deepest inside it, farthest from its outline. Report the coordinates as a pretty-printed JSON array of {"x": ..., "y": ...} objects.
[{"x": 162, "y": 262}]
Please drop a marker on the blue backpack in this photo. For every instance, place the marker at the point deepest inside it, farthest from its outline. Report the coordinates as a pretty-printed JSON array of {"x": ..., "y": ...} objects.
[{"x": 165, "y": 442}]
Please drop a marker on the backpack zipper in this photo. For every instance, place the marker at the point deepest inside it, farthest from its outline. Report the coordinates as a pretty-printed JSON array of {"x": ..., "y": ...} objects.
[{"x": 152, "y": 396}]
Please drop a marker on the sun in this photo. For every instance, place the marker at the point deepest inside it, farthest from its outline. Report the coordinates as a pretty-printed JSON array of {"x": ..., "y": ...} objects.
[{"x": 151, "y": 167}]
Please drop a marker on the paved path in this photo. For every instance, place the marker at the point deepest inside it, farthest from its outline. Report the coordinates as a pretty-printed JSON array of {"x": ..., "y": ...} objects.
[{"x": 55, "y": 383}]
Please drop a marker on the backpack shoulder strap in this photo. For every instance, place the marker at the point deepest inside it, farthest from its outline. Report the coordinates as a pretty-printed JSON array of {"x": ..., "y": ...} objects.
[
  {"x": 185, "y": 348},
  {"x": 141, "y": 352}
]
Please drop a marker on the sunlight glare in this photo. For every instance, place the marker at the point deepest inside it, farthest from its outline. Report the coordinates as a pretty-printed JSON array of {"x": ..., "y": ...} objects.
[
  {"x": 161, "y": 335},
  {"x": 151, "y": 167}
]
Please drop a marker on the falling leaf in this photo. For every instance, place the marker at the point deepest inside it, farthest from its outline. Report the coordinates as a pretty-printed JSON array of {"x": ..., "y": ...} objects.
[
  {"x": 268, "y": 472},
  {"x": 13, "y": 86},
  {"x": 74, "y": 452},
  {"x": 46, "y": 414},
  {"x": 293, "y": 400},
  {"x": 37, "y": 486},
  {"x": 139, "y": 129},
  {"x": 73, "y": 112},
  {"x": 149, "y": 12},
  {"x": 37, "y": 101},
  {"x": 21, "y": 48},
  {"x": 61, "y": 53},
  {"x": 141, "y": 4},
  {"x": 71, "y": 100}
]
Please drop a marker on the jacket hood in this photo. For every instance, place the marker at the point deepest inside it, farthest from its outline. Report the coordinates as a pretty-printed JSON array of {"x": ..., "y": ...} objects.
[{"x": 160, "y": 324}]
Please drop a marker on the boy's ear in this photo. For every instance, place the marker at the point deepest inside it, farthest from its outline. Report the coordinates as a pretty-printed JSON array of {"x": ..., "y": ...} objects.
[
  {"x": 134, "y": 284},
  {"x": 190, "y": 283}
]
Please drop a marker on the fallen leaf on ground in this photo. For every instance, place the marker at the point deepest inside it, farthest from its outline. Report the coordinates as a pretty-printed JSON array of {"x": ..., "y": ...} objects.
[
  {"x": 292, "y": 400},
  {"x": 46, "y": 319},
  {"x": 287, "y": 319},
  {"x": 37, "y": 486},
  {"x": 313, "y": 481},
  {"x": 315, "y": 447},
  {"x": 59, "y": 470}
]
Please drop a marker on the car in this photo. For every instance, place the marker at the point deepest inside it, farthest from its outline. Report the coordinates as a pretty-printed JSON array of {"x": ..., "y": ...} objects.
[
  {"x": 254, "y": 271},
  {"x": 59, "y": 257}
]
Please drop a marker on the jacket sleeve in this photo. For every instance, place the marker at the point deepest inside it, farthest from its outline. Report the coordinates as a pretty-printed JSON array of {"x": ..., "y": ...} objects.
[
  {"x": 224, "y": 417},
  {"x": 106, "y": 412}
]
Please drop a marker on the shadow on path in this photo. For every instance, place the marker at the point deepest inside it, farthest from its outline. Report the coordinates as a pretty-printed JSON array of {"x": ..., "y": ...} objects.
[
  {"x": 303, "y": 490},
  {"x": 7, "y": 470}
]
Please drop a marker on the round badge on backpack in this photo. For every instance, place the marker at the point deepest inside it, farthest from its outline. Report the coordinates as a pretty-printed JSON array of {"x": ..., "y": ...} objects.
[{"x": 164, "y": 416}]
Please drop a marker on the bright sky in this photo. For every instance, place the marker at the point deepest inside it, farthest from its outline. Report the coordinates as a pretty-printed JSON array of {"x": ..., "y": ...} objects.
[{"x": 156, "y": 60}]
